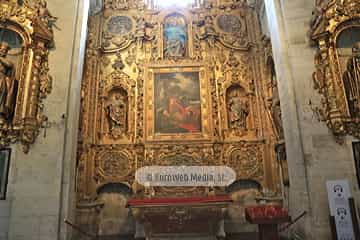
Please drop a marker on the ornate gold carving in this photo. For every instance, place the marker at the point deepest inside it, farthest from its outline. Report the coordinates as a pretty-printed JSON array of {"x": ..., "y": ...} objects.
[
  {"x": 195, "y": 103},
  {"x": 25, "y": 81},
  {"x": 331, "y": 78},
  {"x": 247, "y": 159},
  {"x": 207, "y": 30},
  {"x": 118, "y": 98},
  {"x": 123, "y": 4},
  {"x": 114, "y": 164}
]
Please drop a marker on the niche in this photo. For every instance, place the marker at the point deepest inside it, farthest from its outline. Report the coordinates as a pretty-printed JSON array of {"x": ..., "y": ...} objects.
[
  {"x": 237, "y": 106},
  {"x": 117, "y": 108}
]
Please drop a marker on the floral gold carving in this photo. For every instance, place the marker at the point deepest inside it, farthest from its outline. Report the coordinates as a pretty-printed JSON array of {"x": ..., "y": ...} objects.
[{"x": 247, "y": 160}]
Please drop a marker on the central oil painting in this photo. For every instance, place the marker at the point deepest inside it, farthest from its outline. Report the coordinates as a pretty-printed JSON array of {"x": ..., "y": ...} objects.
[{"x": 177, "y": 103}]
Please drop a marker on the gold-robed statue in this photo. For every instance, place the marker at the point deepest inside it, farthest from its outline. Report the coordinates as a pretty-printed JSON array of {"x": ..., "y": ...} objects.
[
  {"x": 351, "y": 80},
  {"x": 117, "y": 112},
  {"x": 7, "y": 85}
]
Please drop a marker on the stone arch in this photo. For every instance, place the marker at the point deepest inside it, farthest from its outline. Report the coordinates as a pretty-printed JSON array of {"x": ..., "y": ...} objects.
[
  {"x": 244, "y": 184},
  {"x": 114, "y": 187}
]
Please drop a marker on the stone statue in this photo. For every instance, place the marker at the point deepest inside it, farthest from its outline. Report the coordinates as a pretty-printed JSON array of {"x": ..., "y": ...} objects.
[
  {"x": 238, "y": 109},
  {"x": 8, "y": 85},
  {"x": 117, "y": 116},
  {"x": 351, "y": 78},
  {"x": 276, "y": 109}
]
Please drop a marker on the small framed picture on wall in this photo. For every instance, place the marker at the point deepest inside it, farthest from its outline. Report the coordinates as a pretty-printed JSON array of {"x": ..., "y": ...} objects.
[
  {"x": 356, "y": 149},
  {"x": 4, "y": 171}
]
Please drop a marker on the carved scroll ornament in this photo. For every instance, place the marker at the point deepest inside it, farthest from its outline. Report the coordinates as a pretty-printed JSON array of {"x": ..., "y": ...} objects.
[
  {"x": 335, "y": 70},
  {"x": 24, "y": 77}
]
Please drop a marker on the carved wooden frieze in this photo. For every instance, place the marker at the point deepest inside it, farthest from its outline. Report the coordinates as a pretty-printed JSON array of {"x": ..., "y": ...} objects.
[
  {"x": 337, "y": 64},
  {"x": 24, "y": 71},
  {"x": 247, "y": 159}
]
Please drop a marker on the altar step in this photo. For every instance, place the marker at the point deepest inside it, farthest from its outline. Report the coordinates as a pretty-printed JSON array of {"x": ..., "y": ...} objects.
[{"x": 243, "y": 236}]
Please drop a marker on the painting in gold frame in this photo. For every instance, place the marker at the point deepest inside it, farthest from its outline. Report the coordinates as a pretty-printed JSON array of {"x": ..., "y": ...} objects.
[
  {"x": 4, "y": 171},
  {"x": 177, "y": 104}
]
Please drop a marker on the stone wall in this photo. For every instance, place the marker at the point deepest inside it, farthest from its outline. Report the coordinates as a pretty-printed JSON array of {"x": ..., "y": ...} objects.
[
  {"x": 39, "y": 182},
  {"x": 313, "y": 155}
]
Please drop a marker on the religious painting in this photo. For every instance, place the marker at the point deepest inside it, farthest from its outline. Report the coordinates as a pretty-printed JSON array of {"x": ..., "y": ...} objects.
[
  {"x": 348, "y": 49},
  {"x": 177, "y": 103},
  {"x": 4, "y": 171},
  {"x": 356, "y": 153},
  {"x": 175, "y": 36},
  {"x": 11, "y": 51}
]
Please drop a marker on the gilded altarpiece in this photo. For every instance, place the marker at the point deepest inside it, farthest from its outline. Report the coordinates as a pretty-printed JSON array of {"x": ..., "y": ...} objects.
[
  {"x": 335, "y": 31},
  {"x": 174, "y": 87}
]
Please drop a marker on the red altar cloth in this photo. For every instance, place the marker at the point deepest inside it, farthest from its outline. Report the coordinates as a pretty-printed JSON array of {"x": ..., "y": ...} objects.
[{"x": 176, "y": 201}]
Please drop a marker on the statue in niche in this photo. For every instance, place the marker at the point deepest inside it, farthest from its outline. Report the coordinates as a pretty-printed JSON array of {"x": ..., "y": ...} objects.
[
  {"x": 175, "y": 36},
  {"x": 8, "y": 85},
  {"x": 275, "y": 103},
  {"x": 351, "y": 78},
  {"x": 238, "y": 108},
  {"x": 116, "y": 111}
]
